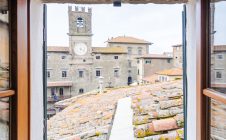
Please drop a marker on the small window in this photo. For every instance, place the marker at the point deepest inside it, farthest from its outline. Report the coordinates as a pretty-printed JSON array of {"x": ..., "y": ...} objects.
[
  {"x": 116, "y": 57},
  {"x": 129, "y": 71},
  {"x": 84, "y": 60},
  {"x": 48, "y": 74},
  {"x": 219, "y": 57},
  {"x": 98, "y": 57},
  {"x": 148, "y": 61},
  {"x": 97, "y": 73},
  {"x": 139, "y": 51},
  {"x": 116, "y": 73},
  {"x": 61, "y": 91},
  {"x": 129, "y": 50},
  {"x": 81, "y": 90},
  {"x": 138, "y": 61},
  {"x": 138, "y": 72},
  {"x": 63, "y": 57},
  {"x": 130, "y": 64},
  {"x": 81, "y": 74},
  {"x": 64, "y": 73},
  {"x": 80, "y": 22},
  {"x": 168, "y": 60},
  {"x": 52, "y": 91},
  {"x": 218, "y": 75}
]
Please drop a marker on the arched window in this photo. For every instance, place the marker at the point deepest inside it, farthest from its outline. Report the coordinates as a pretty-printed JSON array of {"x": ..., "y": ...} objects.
[
  {"x": 81, "y": 90},
  {"x": 80, "y": 22}
]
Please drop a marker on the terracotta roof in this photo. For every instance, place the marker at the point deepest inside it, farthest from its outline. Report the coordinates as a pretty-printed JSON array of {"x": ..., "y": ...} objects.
[
  {"x": 157, "y": 111},
  {"x": 59, "y": 84},
  {"x": 111, "y": 50},
  {"x": 57, "y": 49},
  {"x": 156, "y": 56},
  {"x": 171, "y": 72},
  {"x": 219, "y": 48},
  {"x": 151, "y": 78},
  {"x": 128, "y": 39}
]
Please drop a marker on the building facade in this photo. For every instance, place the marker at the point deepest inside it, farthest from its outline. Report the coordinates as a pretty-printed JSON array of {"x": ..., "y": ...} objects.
[
  {"x": 218, "y": 63},
  {"x": 80, "y": 68}
]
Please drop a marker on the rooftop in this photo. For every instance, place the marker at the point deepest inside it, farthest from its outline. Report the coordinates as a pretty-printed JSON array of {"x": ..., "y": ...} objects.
[
  {"x": 171, "y": 72},
  {"x": 90, "y": 116},
  {"x": 128, "y": 40},
  {"x": 109, "y": 50},
  {"x": 156, "y": 56},
  {"x": 219, "y": 48}
]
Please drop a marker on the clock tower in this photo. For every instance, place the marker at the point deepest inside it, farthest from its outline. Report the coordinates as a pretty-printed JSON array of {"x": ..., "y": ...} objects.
[{"x": 80, "y": 32}]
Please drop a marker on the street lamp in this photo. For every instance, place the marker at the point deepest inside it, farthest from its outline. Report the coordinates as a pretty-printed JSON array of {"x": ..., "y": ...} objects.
[{"x": 101, "y": 78}]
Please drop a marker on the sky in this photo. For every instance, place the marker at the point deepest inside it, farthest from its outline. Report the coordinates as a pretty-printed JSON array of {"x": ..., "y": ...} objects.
[
  {"x": 159, "y": 24},
  {"x": 219, "y": 24}
]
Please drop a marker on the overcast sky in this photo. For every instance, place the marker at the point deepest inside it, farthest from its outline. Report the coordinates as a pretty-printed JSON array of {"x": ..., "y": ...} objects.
[{"x": 159, "y": 24}]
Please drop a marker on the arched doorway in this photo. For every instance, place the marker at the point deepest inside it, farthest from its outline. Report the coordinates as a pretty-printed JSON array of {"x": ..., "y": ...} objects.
[{"x": 130, "y": 80}]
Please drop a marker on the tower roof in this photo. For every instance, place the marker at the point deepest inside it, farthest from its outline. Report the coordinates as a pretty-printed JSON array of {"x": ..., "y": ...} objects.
[
  {"x": 128, "y": 40},
  {"x": 109, "y": 50}
]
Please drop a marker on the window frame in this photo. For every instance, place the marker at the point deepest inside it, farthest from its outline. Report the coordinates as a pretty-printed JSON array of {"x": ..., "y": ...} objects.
[
  {"x": 116, "y": 57},
  {"x": 216, "y": 57},
  {"x": 64, "y": 75},
  {"x": 204, "y": 91},
  {"x": 19, "y": 91},
  {"x": 98, "y": 75},
  {"x": 81, "y": 76},
  {"x": 97, "y": 57}
]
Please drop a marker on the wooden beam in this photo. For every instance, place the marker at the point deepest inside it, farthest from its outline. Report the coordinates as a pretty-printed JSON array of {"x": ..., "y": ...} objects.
[{"x": 6, "y": 93}]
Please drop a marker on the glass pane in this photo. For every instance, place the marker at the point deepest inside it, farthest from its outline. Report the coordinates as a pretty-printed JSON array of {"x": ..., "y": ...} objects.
[
  {"x": 218, "y": 45},
  {"x": 218, "y": 120},
  {"x": 4, "y": 118},
  {"x": 4, "y": 47}
]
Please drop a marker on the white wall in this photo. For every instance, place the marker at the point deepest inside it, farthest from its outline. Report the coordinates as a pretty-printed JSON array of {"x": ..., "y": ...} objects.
[
  {"x": 36, "y": 70},
  {"x": 191, "y": 70}
]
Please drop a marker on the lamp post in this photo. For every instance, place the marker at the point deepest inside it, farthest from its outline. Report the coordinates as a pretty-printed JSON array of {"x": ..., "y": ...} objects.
[{"x": 101, "y": 78}]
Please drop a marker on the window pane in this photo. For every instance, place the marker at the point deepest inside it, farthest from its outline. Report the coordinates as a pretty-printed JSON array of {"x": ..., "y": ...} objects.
[
  {"x": 4, "y": 49},
  {"x": 218, "y": 45},
  {"x": 218, "y": 120},
  {"x": 4, "y": 118}
]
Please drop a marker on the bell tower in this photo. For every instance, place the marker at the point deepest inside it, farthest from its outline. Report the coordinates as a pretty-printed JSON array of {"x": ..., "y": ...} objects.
[{"x": 80, "y": 31}]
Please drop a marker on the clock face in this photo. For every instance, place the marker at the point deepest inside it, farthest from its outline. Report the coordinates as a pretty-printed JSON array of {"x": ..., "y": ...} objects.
[{"x": 80, "y": 49}]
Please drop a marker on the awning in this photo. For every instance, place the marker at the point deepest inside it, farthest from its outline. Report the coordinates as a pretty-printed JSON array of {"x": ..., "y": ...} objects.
[{"x": 60, "y": 84}]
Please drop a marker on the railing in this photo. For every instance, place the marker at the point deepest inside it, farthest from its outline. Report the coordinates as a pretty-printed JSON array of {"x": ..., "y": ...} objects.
[{"x": 58, "y": 98}]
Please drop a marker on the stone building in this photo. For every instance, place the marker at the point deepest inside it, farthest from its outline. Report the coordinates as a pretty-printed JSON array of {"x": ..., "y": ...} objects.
[
  {"x": 177, "y": 56},
  {"x": 80, "y": 67},
  {"x": 148, "y": 65},
  {"x": 218, "y": 75}
]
